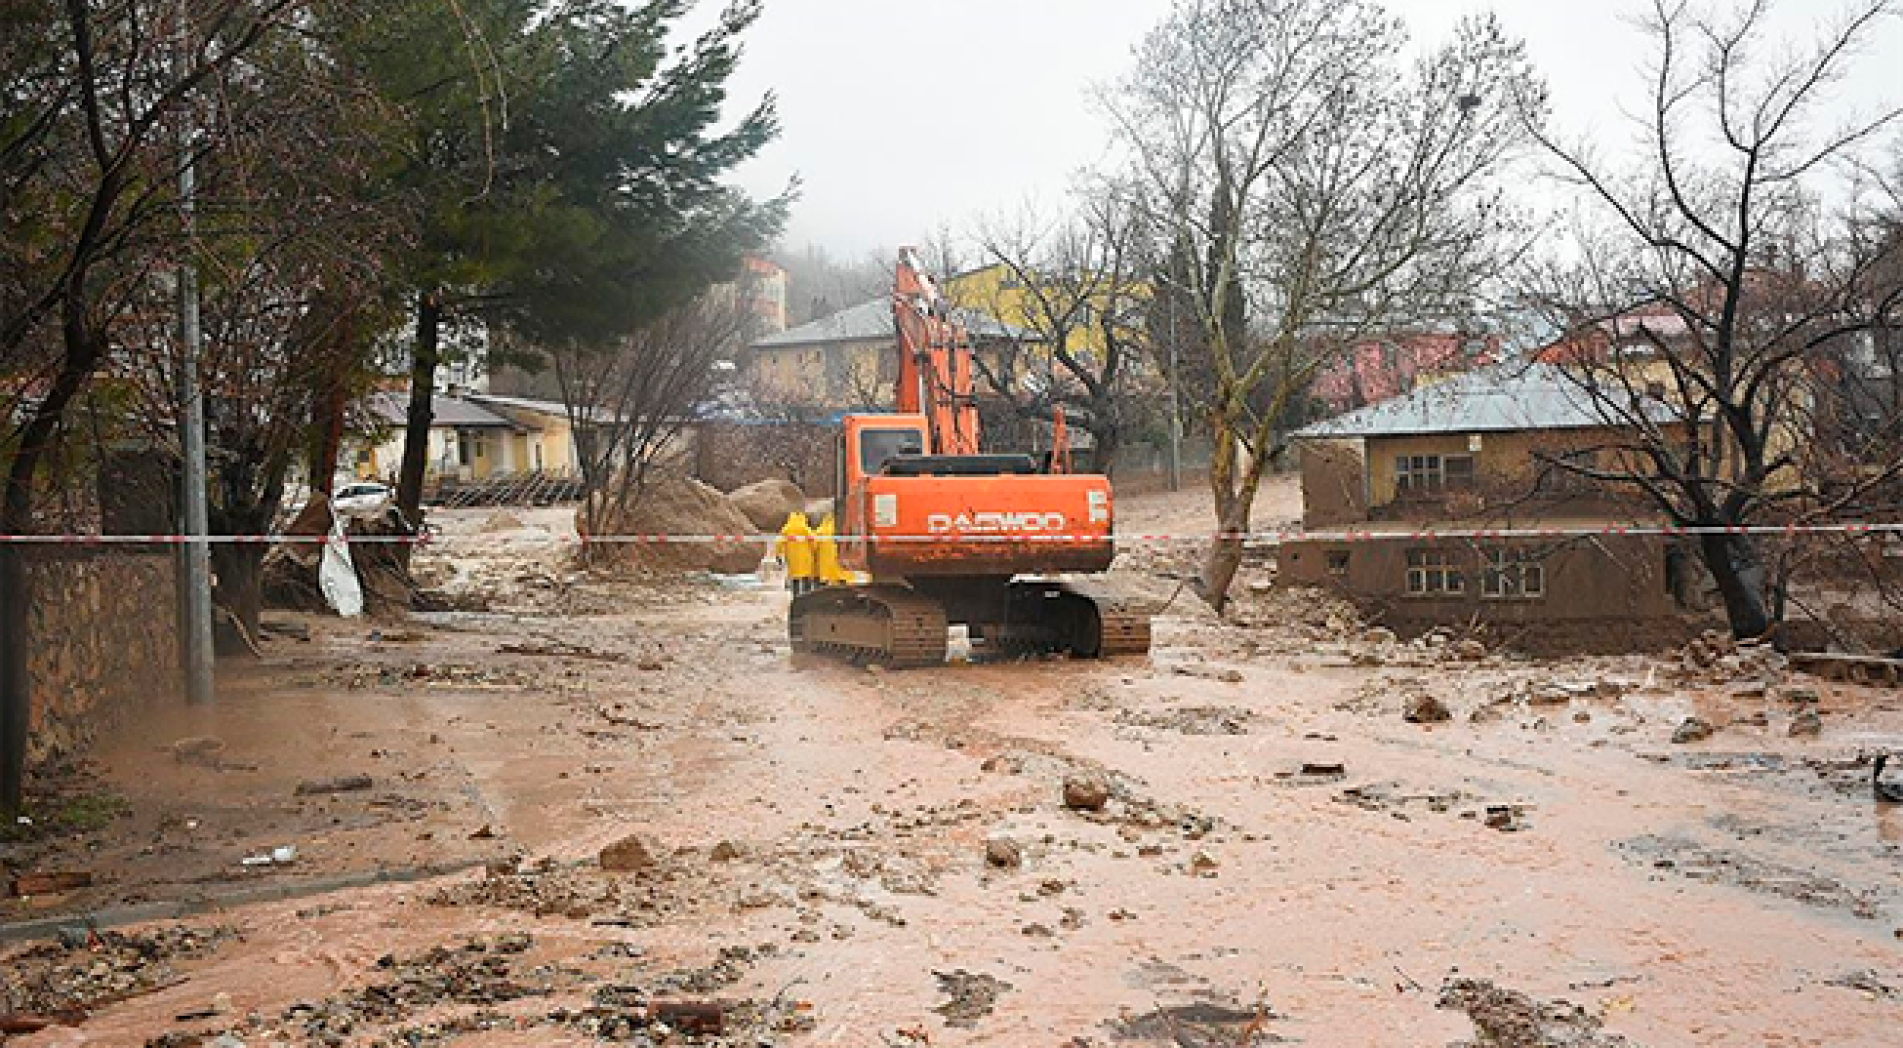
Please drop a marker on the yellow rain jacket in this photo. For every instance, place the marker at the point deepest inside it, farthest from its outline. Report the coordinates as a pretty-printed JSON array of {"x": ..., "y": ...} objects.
[
  {"x": 796, "y": 547},
  {"x": 831, "y": 572}
]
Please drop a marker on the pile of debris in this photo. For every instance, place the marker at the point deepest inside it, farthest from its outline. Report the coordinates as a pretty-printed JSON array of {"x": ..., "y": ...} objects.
[
  {"x": 1715, "y": 657},
  {"x": 84, "y": 970},
  {"x": 767, "y": 503},
  {"x": 675, "y": 524}
]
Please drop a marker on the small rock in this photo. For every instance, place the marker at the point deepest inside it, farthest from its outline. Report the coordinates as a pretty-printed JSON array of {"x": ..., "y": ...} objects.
[
  {"x": 633, "y": 852},
  {"x": 1038, "y": 931},
  {"x": 1086, "y": 791},
  {"x": 1203, "y": 863},
  {"x": 1692, "y": 730},
  {"x": 1378, "y": 635},
  {"x": 198, "y": 749},
  {"x": 1755, "y": 719},
  {"x": 1425, "y": 709},
  {"x": 1004, "y": 853},
  {"x": 1799, "y": 694},
  {"x": 725, "y": 851},
  {"x": 1469, "y": 650},
  {"x": 1230, "y": 676},
  {"x": 1501, "y": 817},
  {"x": 1807, "y": 725},
  {"x": 341, "y": 784},
  {"x": 1582, "y": 717}
]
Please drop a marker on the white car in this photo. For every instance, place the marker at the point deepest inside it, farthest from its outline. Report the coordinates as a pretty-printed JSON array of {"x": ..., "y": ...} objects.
[{"x": 363, "y": 501}]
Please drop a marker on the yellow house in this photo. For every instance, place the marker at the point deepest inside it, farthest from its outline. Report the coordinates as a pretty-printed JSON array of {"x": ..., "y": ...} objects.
[
  {"x": 544, "y": 441},
  {"x": 997, "y": 290},
  {"x": 466, "y": 442}
]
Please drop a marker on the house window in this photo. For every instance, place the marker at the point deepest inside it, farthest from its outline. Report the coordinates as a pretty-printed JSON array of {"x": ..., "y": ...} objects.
[
  {"x": 1421, "y": 474},
  {"x": 1512, "y": 574},
  {"x": 1459, "y": 470},
  {"x": 1431, "y": 571},
  {"x": 1338, "y": 562},
  {"x": 480, "y": 442},
  {"x": 1417, "y": 473}
]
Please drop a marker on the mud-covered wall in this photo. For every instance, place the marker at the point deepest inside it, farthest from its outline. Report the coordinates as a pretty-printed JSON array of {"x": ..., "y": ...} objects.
[
  {"x": 1334, "y": 484},
  {"x": 1599, "y": 593},
  {"x": 102, "y": 641}
]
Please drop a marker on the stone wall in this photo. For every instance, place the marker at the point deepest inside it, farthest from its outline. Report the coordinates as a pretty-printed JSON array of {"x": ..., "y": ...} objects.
[{"x": 102, "y": 641}]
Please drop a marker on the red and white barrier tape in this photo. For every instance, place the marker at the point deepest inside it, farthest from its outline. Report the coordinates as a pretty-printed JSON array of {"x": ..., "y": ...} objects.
[{"x": 1273, "y": 537}]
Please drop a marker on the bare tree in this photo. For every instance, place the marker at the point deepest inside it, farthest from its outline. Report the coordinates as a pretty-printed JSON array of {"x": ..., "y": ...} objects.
[
  {"x": 89, "y": 153},
  {"x": 1720, "y": 285},
  {"x": 1306, "y": 184},
  {"x": 626, "y": 405},
  {"x": 1078, "y": 285}
]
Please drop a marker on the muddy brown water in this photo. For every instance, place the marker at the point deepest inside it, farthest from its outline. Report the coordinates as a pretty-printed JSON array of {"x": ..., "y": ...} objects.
[{"x": 1718, "y": 893}]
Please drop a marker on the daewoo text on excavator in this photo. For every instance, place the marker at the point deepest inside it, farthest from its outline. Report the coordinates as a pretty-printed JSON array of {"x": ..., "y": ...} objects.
[{"x": 949, "y": 534}]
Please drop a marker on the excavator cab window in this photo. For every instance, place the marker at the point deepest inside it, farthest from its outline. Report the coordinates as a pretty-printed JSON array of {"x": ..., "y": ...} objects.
[{"x": 878, "y": 445}]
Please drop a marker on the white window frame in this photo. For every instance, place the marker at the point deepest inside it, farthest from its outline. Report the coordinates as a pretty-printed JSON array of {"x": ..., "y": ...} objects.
[
  {"x": 1509, "y": 573},
  {"x": 1433, "y": 573}
]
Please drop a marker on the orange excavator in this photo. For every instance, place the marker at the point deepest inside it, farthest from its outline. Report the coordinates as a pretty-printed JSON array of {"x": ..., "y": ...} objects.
[{"x": 948, "y": 534}]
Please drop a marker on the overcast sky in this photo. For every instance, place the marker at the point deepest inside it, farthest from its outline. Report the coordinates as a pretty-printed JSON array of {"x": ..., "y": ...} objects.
[{"x": 902, "y": 117}]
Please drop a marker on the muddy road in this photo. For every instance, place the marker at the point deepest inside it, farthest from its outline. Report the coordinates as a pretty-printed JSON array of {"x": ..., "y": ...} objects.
[{"x": 827, "y": 855}]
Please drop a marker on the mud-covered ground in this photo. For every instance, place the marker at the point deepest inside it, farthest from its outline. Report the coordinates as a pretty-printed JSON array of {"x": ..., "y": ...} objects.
[{"x": 836, "y": 856}]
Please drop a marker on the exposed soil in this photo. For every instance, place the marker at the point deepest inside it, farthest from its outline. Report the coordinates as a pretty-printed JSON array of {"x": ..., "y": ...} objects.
[{"x": 1278, "y": 855}]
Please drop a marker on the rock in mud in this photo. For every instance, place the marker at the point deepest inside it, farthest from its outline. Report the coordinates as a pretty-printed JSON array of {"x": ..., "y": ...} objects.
[
  {"x": 1086, "y": 791},
  {"x": 634, "y": 852},
  {"x": 1693, "y": 729},
  {"x": 1807, "y": 725},
  {"x": 973, "y": 996},
  {"x": 341, "y": 784},
  {"x": 1425, "y": 709},
  {"x": 1003, "y": 853},
  {"x": 725, "y": 851}
]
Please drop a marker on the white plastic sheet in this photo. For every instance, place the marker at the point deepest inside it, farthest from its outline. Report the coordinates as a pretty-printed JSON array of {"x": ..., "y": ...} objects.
[{"x": 337, "y": 576}]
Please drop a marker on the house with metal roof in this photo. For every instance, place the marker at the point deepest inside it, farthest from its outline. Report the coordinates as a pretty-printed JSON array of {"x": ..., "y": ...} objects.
[
  {"x": 849, "y": 360},
  {"x": 1510, "y": 443},
  {"x": 1511, "y": 447},
  {"x": 466, "y": 441}
]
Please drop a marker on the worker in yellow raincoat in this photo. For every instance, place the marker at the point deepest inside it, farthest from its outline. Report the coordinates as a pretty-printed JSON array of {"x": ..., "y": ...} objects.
[
  {"x": 797, "y": 553},
  {"x": 831, "y": 572}
]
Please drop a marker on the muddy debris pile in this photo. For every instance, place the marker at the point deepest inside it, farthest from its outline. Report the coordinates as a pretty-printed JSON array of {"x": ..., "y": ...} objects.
[
  {"x": 1510, "y": 1019},
  {"x": 767, "y": 503},
  {"x": 1715, "y": 657},
  {"x": 63, "y": 980},
  {"x": 637, "y": 900},
  {"x": 709, "y": 527}
]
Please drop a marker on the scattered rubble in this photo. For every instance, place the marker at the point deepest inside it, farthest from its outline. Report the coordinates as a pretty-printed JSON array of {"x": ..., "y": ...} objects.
[
  {"x": 1510, "y": 1019},
  {"x": 973, "y": 996}
]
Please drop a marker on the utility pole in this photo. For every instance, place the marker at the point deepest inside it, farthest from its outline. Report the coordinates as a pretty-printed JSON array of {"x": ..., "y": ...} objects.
[{"x": 199, "y": 689}]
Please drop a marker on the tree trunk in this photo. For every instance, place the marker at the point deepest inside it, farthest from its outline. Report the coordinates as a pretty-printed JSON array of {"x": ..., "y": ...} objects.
[
  {"x": 1739, "y": 571},
  {"x": 1108, "y": 439},
  {"x": 16, "y": 698},
  {"x": 328, "y": 423},
  {"x": 1225, "y": 556},
  {"x": 83, "y": 353},
  {"x": 240, "y": 591},
  {"x": 423, "y": 361}
]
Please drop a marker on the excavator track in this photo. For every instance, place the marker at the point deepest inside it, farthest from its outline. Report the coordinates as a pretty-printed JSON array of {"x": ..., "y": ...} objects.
[
  {"x": 888, "y": 625},
  {"x": 1123, "y": 625}
]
